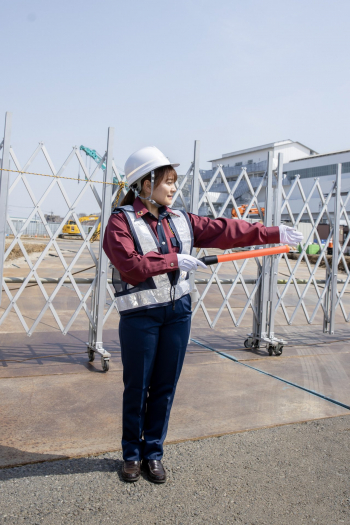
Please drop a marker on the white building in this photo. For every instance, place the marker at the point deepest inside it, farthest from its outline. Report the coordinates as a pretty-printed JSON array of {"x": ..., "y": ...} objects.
[
  {"x": 323, "y": 167},
  {"x": 298, "y": 159},
  {"x": 253, "y": 157}
]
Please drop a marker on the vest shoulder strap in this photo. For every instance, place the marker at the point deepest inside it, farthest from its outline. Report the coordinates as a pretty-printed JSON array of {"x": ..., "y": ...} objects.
[
  {"x": 127, "y": 207},
  {"x": 184, "y": 229}
]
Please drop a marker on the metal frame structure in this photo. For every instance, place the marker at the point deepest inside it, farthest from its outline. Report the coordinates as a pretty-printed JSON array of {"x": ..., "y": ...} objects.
[
  {"x": 322, "y": 291},
  {"x": 96, "y": 285},
  {"x": 95, "y": 344},
  {"x": 201, "y": 195},
  {"x": 263, "y": 325},
  {"x": 4, "y": 187},
  {"x": 264, "y": 294}
]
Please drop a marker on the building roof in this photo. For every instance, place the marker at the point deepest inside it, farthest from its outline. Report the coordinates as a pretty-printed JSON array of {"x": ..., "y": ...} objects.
[
  {"x": 322, "y": 155},
  {"x": 24, "y": 219},
  {"x": 257, "y": 148}
]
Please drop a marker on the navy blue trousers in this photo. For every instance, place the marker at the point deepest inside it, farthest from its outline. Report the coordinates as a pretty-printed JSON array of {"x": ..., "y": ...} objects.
[{"x": 153, "y": 345}]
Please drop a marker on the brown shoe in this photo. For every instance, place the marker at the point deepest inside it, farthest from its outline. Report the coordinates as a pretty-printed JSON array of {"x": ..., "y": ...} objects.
[
  {"x": 155, "y": 470},
  {"x": 131, "y": 470}
]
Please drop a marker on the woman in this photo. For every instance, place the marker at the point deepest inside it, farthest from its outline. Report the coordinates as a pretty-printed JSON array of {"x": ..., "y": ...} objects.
[{"x": 150, "y": 246}]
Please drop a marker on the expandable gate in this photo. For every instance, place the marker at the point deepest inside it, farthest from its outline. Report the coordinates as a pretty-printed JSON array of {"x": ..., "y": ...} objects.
[{"x": 257, "y": 291}]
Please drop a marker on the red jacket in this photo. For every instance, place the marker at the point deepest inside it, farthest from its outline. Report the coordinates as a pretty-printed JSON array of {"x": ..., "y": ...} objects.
[{"x": 220, "y": 233}]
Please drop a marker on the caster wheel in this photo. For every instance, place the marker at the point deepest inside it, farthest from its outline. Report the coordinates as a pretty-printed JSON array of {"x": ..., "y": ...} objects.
[
  {"x": 246, "y": 343},
  {"x": 270, "y": 350},
  {"x": 105, "y": 364},
  {"x": 256, "y": 345},
  {"x": 91, "y": 355},
  {"x": 278, "y": 350}
]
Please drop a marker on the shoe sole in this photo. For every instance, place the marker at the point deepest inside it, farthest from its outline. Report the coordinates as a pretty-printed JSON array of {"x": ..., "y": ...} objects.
[
  {"x": 128, "y": 480},
  {"x": 155, "y": 480},
  {"x": 144, "y": 468}
]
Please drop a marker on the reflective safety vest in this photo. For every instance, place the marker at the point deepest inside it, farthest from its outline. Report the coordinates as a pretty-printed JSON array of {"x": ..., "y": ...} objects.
[{"x": 159, "y": 290}]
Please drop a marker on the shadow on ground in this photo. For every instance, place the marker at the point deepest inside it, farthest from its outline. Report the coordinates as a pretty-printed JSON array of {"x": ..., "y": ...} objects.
[{"x": 59, "y": 465}]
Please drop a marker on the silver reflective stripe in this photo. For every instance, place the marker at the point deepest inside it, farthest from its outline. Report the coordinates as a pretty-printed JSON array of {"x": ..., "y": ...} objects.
[
  {"x": 145, "y": 238},
  {"x": 155, "y": 297},
  {"x": 182, "y": 228}
]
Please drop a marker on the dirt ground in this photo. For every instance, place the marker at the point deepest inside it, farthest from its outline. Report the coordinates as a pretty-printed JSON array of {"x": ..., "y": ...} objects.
[
  {"x": 30, "y": 247},
  {"x": 313, "y": 260}
]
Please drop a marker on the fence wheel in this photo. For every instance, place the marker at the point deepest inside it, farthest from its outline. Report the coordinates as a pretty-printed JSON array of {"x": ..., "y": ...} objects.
[
  {"x": 278, "y": 350},
  {"x": 105, "y": 364}
]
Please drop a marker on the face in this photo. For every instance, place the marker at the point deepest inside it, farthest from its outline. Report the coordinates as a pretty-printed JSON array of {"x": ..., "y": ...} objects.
[{"x": 164, "y": 192}]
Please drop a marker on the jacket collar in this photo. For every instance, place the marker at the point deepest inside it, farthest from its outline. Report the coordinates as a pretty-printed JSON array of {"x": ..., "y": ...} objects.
[{"x": 141, "y": 210}]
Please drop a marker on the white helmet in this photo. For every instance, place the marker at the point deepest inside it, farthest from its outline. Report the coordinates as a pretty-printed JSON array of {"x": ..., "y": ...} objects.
[{"x": 143, "y": 161}]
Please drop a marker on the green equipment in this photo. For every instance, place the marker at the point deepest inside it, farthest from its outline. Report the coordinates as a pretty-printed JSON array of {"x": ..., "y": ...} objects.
[
  {"x": 93, "y": 154},
  {"x": 97, "y": 158}
]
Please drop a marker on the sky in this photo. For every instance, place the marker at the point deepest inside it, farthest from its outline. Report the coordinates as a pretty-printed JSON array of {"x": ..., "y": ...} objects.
[{"x": 231, "y": 74}]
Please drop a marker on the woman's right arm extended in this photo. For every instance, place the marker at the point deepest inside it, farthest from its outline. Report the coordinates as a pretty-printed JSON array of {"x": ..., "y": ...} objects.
[{"x": 119, "y": 246}]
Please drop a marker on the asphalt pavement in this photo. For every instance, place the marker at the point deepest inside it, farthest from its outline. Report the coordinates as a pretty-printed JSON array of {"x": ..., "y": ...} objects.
[{"x": 293, "y": 474}]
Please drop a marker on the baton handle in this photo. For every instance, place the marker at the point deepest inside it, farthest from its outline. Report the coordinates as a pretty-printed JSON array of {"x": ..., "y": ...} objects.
[{"x": 249, "y": 254}]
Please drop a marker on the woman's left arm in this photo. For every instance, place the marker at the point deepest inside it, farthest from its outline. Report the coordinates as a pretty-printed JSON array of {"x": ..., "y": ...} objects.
[{"x": 225, "y": 233}]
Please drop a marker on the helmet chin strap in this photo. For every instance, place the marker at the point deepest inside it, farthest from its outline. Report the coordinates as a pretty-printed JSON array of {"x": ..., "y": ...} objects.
[{"x": 137, "y": 192}]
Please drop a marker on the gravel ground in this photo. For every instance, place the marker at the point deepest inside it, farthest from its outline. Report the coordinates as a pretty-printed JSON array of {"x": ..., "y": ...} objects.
[{"x": 295, "y": 474}]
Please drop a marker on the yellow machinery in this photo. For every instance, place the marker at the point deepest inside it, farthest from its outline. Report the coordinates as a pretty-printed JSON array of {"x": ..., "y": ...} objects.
[
  {"x": 96, "y": 235},
  {"x": 71, "y": 229}
]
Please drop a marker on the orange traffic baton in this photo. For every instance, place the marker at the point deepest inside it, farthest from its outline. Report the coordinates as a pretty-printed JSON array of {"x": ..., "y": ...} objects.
[{"x": 249, "y": 254}]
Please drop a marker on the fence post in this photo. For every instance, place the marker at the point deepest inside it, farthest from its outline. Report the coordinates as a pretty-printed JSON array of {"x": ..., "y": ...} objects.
[
  {"x": 266, "y": 264},
  {"x": 336, "y": 250},
  {"x": 275, "y": 258},
  {"x": 253, "y": 338},
  {"x": 99, "y": 295},
  {"x": 326, "y": 303},
  {"x": 195, "y": 179},
  {"x": 4, "y": 190},
  {"x": 194, "y": 209},
  {"x": 266, "y": 296}
]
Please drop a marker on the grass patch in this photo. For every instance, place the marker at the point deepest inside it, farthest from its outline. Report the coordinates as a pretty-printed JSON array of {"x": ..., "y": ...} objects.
[
  {"x": 313, "y": 260},
  {"x": 30, "y": 247}
]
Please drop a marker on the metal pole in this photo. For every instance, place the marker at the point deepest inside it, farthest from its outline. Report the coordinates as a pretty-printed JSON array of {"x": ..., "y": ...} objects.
[
  {"x": 4, "y": 190},
  {"x": 336, "y": 249},
  {"x": 195, "y": 180},
  {"x": 101, "y": 283},
  {"x": 266, "y": 265},
  {"x": 326, "y": 303},
  {"x": 256, "y": 328},
  {"x": 194, "y": 209},
  {"x": 278, "y": 199},
  {"x": 275, "y": 258}
]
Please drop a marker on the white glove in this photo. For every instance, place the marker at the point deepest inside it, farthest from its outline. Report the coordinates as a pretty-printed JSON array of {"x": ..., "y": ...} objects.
[
  {"x": 188, "y": 263},
  {"x": 290, "y": 235}
]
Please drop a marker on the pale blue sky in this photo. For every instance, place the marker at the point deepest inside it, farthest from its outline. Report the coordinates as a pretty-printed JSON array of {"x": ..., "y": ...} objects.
[{"x": 231, "y": 74}]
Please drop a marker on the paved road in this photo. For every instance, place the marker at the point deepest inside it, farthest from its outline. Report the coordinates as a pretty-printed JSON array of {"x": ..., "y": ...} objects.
[{"x": 295, "y": 474}]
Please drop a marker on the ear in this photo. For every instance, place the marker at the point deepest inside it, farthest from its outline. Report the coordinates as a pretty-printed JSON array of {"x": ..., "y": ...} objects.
[{"x": 146, "y": 187}]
